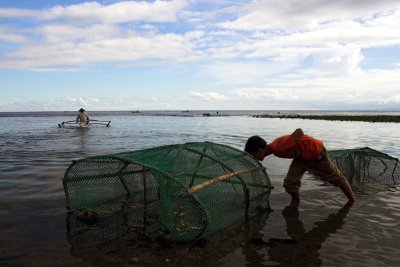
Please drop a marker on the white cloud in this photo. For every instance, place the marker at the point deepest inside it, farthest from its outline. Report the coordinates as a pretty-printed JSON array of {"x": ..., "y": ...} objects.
[
  {"x": 251, "y": 72},
  {"x": 299, "y": 14},
  {"x": 266, "y": 94},
  {"x": 11, "y": 35},
  {"x": 59, "y": 33},
  {"x": 293, "y": 51},
  {"x": 123, "y": 49},
  {"x": 94, "y": 12},
  {"x": 209, "y": 96},
  {"x": 308, "y": 90},
  {"x": 16, "y": 12},
  {"x": 95, "y": 103},
  {"x": 12, "y": 38},
  {"x": 392, "y": 99},
  {"x": 335, "y": 44},
  {"x": 363, "y": 88}
]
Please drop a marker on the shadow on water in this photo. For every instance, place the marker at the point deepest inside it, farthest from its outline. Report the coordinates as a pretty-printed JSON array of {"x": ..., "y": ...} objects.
[{"x": 302, "y": 247}]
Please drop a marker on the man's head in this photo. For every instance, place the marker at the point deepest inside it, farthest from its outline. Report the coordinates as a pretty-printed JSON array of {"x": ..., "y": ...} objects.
[
  {"x": 257, "y": 147},
  {"x": 81, "y": 110}
]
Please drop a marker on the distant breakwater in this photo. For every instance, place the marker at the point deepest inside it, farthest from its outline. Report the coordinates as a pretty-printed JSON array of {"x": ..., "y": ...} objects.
[{"x": 366, "y": 118}]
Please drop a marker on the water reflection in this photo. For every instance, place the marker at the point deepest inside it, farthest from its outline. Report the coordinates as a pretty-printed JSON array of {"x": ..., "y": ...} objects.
[
  {"x": 123, "y": 244},
  {"x": 302, "y": 247},
  {"x": 109, "y": 241},
  {"x": 115, "y": 242},
  {"x": 83, "y": 137}
]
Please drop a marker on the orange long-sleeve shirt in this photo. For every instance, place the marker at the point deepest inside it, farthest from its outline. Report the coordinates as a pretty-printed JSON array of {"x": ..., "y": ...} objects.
[{"x": 306, "y": 147}]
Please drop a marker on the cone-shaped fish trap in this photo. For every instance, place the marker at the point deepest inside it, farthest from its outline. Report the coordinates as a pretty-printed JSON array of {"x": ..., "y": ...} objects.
[
  {"x": 367, "y": 169},
  {"x": 190, "y": 190}
]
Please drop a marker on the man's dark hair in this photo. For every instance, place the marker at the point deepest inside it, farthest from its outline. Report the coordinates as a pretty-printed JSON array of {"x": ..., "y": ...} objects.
[{"x": 254, "y": 143}]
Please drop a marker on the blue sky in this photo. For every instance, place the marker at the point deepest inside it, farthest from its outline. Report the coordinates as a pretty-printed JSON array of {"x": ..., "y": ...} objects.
[{"x": 188, "y": 54}]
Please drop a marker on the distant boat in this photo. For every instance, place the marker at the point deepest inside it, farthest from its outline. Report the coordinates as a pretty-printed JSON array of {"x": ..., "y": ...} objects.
[{"x": 74, "y": 124}]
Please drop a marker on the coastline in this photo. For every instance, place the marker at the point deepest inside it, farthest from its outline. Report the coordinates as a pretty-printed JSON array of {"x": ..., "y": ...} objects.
[
  {"x": 360, "y": 115},
  {"x": 365, "y": 118}
]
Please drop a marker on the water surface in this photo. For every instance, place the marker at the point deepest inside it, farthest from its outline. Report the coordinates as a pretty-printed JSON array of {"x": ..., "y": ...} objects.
[{"x": 35, "y": 152}]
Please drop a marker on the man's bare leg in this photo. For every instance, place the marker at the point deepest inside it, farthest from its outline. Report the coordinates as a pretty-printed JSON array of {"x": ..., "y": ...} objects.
[
  {"x": 295, "y": 198},
  {"x": 346, "y": 189}
]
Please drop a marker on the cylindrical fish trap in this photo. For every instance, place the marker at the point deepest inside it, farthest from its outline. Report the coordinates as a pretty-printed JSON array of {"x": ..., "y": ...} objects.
[
  {"x": 190, "y": 190},
  {"x": 367, "y": 170}
]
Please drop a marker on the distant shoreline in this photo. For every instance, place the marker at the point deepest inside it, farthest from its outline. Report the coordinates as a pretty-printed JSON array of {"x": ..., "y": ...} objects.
[
  {"x": 339, "y": 115},
  {"x": 365, "y": 118}
]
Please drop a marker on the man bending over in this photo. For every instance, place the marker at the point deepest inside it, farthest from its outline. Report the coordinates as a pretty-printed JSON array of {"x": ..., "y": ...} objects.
[{"x": 308, "y": 154}]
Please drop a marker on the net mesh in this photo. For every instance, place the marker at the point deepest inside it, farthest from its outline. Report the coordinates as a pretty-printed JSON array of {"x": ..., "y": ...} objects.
[
  {"x": 189, "y": 190},
  {"x": 366, "y": 169}
]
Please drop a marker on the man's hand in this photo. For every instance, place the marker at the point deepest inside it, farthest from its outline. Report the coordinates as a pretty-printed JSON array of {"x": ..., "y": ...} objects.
[{"x": 297, "y": 134}]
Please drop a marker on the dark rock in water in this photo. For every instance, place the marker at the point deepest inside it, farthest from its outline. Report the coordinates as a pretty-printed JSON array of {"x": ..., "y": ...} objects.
[
  {"x": 87, "y": 216},
  {"x": 366, "y": 118}
]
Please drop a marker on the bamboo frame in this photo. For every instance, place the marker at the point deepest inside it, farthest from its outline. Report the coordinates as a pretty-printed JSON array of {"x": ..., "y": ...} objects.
[{"x": 224, "y": 177}]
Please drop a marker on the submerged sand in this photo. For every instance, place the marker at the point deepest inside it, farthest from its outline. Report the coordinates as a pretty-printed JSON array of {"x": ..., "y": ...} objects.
[{"x": 322, "y": 231}]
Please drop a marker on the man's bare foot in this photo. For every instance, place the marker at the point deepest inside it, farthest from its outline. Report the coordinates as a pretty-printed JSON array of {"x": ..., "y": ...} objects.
[
  {"x": 346, "y": 189},
  {"x": 294, "y": 203},
  {"x": 295, "y": 198}
]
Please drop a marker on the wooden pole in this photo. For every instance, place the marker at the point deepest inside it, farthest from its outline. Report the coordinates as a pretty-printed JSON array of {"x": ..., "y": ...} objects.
[{"x": 198, "y": 187}]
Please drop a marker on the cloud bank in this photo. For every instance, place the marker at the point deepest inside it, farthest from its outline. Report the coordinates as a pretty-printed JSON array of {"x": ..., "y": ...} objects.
[{"x": 283, "y": 51}]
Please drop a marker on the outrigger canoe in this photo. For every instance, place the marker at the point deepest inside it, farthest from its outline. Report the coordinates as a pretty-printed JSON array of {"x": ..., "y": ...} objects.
[{"x": 84, "y": 125}]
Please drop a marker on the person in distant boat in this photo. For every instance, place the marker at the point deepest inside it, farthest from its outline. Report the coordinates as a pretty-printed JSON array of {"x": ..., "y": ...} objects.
[
  {"x": 82, "y": 117},
  {"x": 308, "y": 154}
]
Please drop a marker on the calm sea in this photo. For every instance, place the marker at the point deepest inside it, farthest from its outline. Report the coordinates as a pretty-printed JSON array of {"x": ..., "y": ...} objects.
[{"x": 35, "y": 152}]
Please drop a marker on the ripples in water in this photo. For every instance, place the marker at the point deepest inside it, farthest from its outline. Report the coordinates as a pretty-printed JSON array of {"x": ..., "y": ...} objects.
[{"x": 34, "y": 154}]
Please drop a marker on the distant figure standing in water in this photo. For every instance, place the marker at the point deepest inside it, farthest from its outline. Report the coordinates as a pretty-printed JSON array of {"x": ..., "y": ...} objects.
[
  {"x": 308, "y": 154},
  {"x": 82, "y": 118}
]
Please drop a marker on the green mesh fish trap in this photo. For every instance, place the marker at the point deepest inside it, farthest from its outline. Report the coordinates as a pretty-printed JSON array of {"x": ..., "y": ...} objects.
[
  {"x": 367, "y": 169},
  {"x": 190, "y": 190}
]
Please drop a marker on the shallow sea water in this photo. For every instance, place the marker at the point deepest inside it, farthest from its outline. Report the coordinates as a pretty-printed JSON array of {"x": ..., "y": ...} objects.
[{"x": 322, "y": 231}]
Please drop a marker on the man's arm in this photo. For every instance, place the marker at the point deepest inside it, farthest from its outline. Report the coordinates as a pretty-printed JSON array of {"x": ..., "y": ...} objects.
[{"x": 297, "y": 134}]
